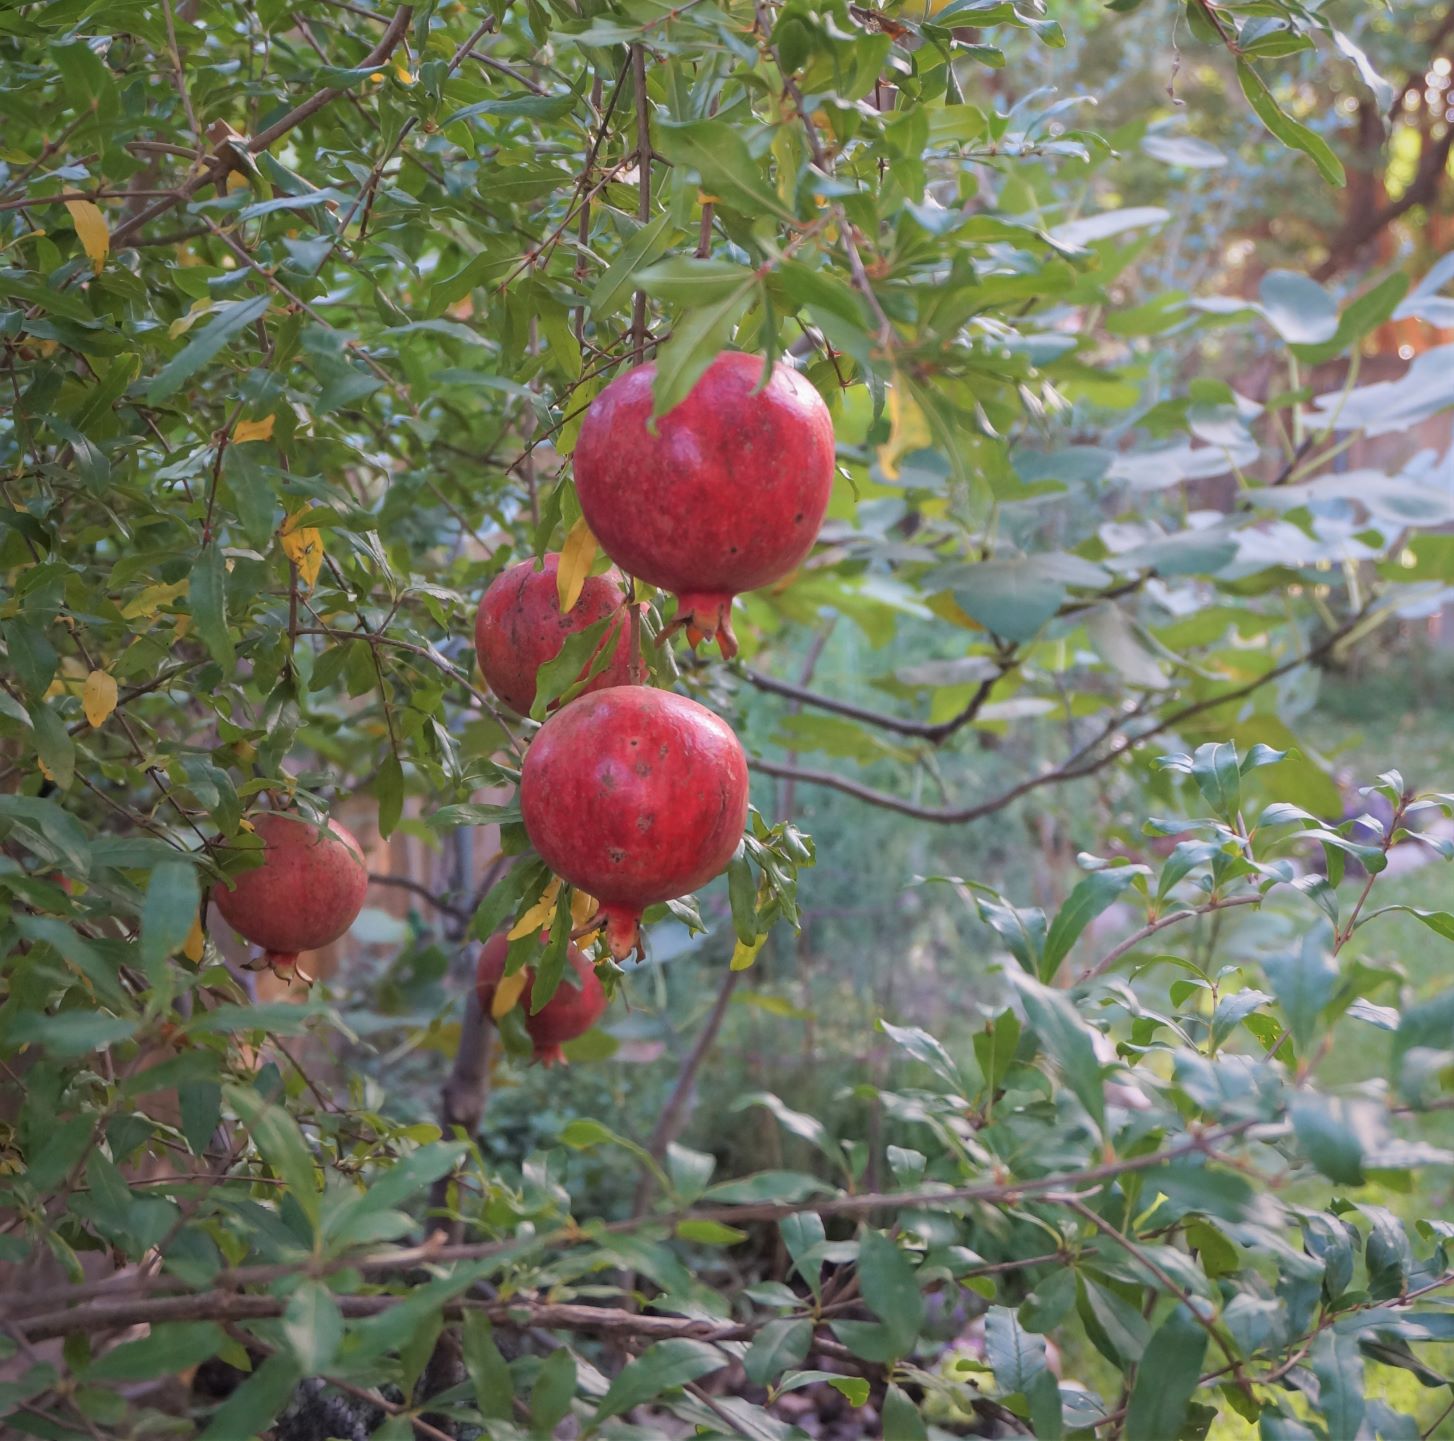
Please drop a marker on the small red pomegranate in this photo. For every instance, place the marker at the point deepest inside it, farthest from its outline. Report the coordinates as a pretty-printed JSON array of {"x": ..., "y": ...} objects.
[
  {"x": 570, "y": 1012},
  {"x": 727, "y": 495},
  {"x": 636, "y": 796},
  {"x": 519, "y": 628},
  {"x": 307, "y": 892}
]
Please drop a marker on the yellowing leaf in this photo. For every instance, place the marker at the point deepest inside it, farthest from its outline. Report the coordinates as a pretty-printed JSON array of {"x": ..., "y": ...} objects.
[
  {"x": 744, "y": 955},
  {"x": 195, "y": 943},
  {"x": 98, "y": 697},
  {"x": 183, "y": 323},
  {"x": 303, "y": 545},
  {"x": 402, "y": 71},
  {"x": 236, "y": 180},
  {"x": 246, "y": 430},
  {"x": 153, "y": 598},
  {"x": 507, "y": 994},
  {"x": 539, "y": 915},
  {"x": 576, "y": 557},
  {"x": 582, "y": 907},
  {"x": 91, "y": 231},
  {"x": 909, "y": 430}
]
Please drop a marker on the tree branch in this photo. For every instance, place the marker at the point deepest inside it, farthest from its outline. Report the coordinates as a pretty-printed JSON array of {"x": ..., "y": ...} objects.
[
  {"x": 1071, "y": 769},
  {"x": 389, "y": 41}
]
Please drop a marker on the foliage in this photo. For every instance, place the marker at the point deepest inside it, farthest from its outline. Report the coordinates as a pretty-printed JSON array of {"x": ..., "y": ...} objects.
[{"x": 300, "y": 309}]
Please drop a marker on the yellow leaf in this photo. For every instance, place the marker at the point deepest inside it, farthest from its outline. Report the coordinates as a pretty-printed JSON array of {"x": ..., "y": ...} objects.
[
  {"x": 246, "y": 430},
  {"x": 91, "y": 231},
  {"x": 576, "y": 557},
  {"x": 402, "y": 71},
  {"x": 153, "y": 598},
  {"x": 582, "y": 908},
  {"x": 507, "y": 994},
  {"x": 183, "y": 323},
  {"x": 539, "y": 915},
  {"x": 744, "y": 955},
  {"x": 195, "y": 943},
  {"x": 98, "y": 697},
  {"x": 304, "y": 547},
  {"x": 908, "y": 429},
  {"x": 236, "y": 180}
]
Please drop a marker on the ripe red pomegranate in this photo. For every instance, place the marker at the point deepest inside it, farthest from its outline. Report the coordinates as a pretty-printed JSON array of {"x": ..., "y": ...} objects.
[
  {"x": 307, "y": 892},
  {"x": 636, "y": 796},
  {"x": 570, "y": 1012},
  {"x": 519, "y": 628},
  {"x": 727, "y": 495}
]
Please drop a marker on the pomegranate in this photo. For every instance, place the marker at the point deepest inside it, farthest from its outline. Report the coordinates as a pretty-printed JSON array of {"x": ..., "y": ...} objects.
[
  {"x": 570, "y": 1012},
  {"x": 307, "y": 892},
  {"x": 727, "y": 495},
  {"x": 519, "y": 628},
  {"x": 636, "y": 796}
]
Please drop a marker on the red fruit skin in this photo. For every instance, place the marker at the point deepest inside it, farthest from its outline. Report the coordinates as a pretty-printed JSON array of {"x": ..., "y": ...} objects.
[
  {"x": 519, "y": 628},
  {"x": 635, "y": 796},
  {"x": 569, "y": 1013},
  {"x": 307, "y": 892},
  {"x": 726, "y": 496}
]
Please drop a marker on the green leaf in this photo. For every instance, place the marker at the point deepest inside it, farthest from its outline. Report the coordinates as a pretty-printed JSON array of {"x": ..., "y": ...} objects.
[
  {"x": 388, "y": 789},
  {"x": 1093, "y": 894},
  {"x": 1015, "y": 1355},
  {"x": 313, "y": 1327},
  {"x": 1300, "y": 310},
  {"x": 230, "y": 318},
  {"x": 1167, "y": 1378},
  {"x": 709, "y": 1233},
  {"x": 890, "y": 1289},
  {"x": 854, "y": 1388},
  {"x": 1292, "y": 134},
  {"x": 1338, "y": 1364},
  {"x": 250, "y": 1410},
  {"x": 169, "y": 1349},
  {"x": 902, "y": 1421},
  {"x": 662, "y": 1367},
  {"x": 641, "y": 249},
  {"x": 553, "y": 1391},
  {"x": 1303, "y": 982},
  {"x": 697, "y": 336},
  {"x": 207, "y": 598},
  {"x": 276, "y": 1135},
  {"x": 488, "y": 1371},
  {"x": 778, "y": 1347},
  {"x": 684, "y": 280},
  {"x": 1331, "y": 1131},
  {"x": 173, "y": 897},
  {"x": 54, "y": 747},
  {"x": 1066, "y": 1039},
  {"x": 719, "y": 154}
]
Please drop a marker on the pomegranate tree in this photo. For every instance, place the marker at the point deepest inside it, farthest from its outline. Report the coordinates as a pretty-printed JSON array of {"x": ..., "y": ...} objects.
[
  {"x": 570, "y": 1012},
  {"x": 635, "y": 796},
  {"x": 519, "y": 627},
  {"x": 306, "y": 893},
  {"x": 724, "y": 494}
]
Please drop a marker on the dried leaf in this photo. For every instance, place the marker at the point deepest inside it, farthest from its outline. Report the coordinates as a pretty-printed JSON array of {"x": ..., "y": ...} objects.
[
  {"x": 91, "y": 230},
  {"x": 745, "y": 953},
  {"x": 98, "y": 697},
  {"x": 908, "y": 429},
  {"x": 576, "y": 557},
  {"x": 303, "y": 545},
  {"x": 246, "y": 430},
  {"x": 507, "y": 994},
  {"x": 196, "y": 941},
  {"x": 539, "y": 915}
]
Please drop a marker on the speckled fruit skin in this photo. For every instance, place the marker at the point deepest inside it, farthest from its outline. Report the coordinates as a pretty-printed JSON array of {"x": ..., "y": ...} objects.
[
  {"x": 519, "y": 628},
  {"x": 635, "y": 796},
  {"x": 307, "y": 892},
  {"x": 570, "y": 1012},
  {"x": 726, "y": 496}
]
